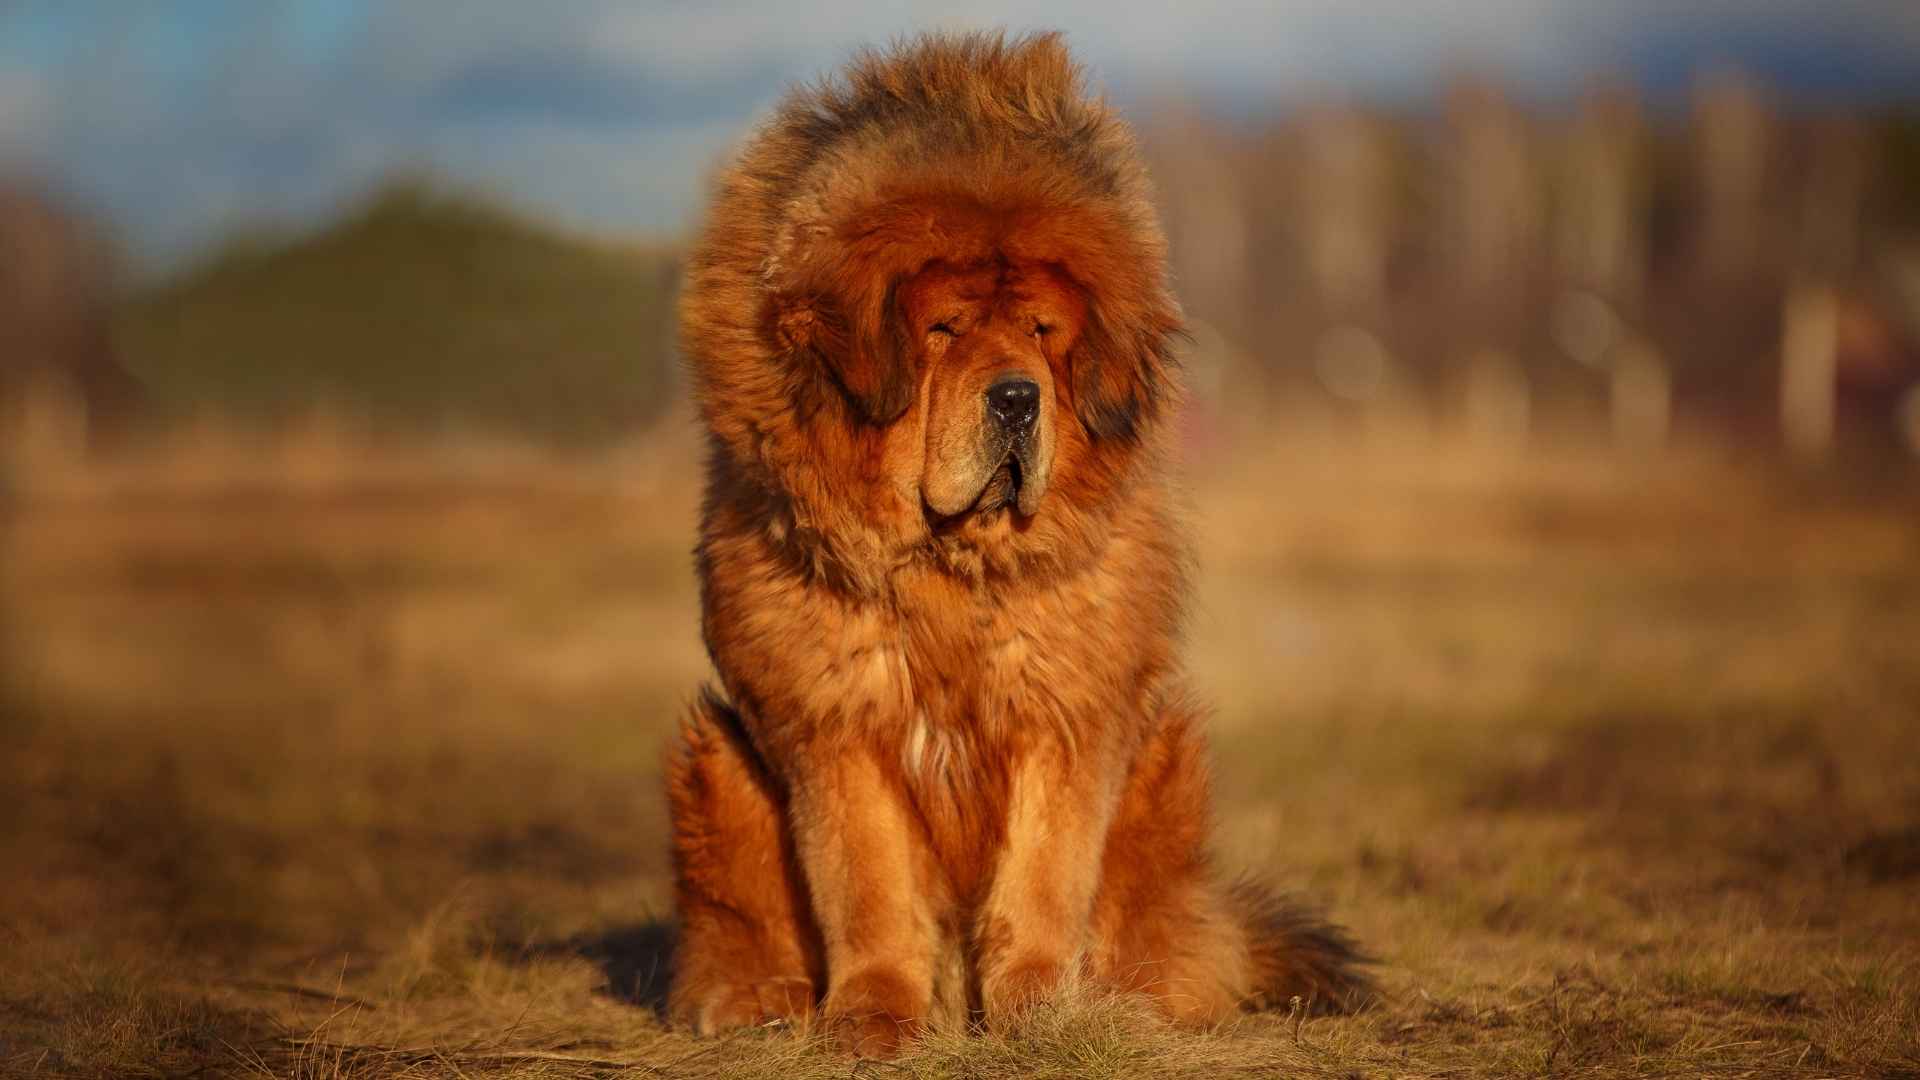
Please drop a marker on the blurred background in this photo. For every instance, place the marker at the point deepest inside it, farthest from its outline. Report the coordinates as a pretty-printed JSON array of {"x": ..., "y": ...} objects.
[
  {"x": 1522, "y": 220},
  {"x": 1519, "y": 220},
  {"x": 1554, "y": 448}
]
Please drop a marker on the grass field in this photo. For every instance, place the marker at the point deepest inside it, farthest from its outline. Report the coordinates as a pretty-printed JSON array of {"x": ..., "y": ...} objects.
[{"x": 328, "y": 758}]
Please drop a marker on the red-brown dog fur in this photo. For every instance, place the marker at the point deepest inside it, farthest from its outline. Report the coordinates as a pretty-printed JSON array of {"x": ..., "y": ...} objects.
[{"x": 953, "y": 766}]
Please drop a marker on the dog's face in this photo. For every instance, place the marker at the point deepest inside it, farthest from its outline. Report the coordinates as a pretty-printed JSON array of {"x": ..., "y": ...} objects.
[
  {"x": 991, "y": 341},
  {"x": 980, "y": 371}
]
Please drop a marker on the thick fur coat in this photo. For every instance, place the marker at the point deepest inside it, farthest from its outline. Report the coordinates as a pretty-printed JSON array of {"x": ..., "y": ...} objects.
[{"x": 950, "y": 766}]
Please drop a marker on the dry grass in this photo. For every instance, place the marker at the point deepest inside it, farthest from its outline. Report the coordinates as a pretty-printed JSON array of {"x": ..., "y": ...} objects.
[{"x": 326, "y": 759}]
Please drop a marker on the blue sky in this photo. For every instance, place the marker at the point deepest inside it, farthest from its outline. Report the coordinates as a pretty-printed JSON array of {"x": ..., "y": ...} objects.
[{"x": 185, "y": 118}]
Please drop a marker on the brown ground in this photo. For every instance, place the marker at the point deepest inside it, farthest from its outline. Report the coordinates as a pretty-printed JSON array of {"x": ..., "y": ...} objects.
[{"x": 342, "y": 760}]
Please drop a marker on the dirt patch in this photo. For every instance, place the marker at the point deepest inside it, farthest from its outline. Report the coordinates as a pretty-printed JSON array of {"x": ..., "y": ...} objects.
[
  {"x": 1763, "y": 790},
  {"x": 1887, "y": 856}
]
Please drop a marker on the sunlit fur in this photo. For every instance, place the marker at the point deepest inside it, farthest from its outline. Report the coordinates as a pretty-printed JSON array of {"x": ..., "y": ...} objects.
[{"x": 952, "y": 766}]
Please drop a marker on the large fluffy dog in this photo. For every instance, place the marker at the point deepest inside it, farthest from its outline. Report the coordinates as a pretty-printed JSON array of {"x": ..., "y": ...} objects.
[{"x": 929, "y": 326}]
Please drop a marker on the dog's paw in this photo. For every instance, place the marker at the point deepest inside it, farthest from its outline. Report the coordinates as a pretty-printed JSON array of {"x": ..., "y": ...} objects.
[
  {"x": 725, "y": 1006},
  {"x": 875, "y": 1013},
  {"x": 1015, "y": 988}
]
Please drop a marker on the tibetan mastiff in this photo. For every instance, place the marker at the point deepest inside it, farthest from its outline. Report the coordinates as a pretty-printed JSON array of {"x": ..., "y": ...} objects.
[{"x": 950, "y": 766}]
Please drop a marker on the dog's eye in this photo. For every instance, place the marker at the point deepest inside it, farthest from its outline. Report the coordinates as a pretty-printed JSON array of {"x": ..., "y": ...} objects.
[
  {"x": 943, "y": 328},
  {"x": 1041, "y": 329}
]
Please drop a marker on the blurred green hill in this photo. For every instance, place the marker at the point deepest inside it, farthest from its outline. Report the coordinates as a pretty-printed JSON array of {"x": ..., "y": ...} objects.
[{"x": 419, "y": 310}]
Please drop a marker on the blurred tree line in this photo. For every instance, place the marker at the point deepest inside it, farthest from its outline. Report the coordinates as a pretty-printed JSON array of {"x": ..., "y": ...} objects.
[
  {"x": 418, "y": 311},
  {"x": 1604, "y": 270},
  {"x": 1599, "y": 271}
]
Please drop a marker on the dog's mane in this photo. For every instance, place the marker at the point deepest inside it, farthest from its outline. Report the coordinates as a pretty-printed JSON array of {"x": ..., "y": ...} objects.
[
  {"x": 993, "y": 107},
  {"x": 863, "y": 177},
  {"x": 972, "y": 92}
]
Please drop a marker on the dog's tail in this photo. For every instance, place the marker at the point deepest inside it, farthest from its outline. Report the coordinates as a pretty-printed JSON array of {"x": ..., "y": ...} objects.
[{"x": 1293, "y": 952}]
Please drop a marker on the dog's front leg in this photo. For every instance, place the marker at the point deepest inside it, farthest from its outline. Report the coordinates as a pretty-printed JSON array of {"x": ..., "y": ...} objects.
[
  {"x": 861, "y": 854},
  {"x": 1032, "y": 930}
]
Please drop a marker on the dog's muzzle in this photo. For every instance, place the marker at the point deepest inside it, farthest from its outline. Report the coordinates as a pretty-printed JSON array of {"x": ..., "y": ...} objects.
[{"x": 1013, "y": 407}]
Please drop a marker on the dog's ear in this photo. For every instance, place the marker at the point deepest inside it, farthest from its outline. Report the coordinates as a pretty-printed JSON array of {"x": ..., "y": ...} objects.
[
  {"x": 1120, "y": 372},
  {"x": 856, "y": 341}
]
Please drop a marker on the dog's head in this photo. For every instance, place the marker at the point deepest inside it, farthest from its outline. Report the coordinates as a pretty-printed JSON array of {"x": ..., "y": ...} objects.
[
  {"x": 930, "y": 303},
  {"x": 1017, "y": 341}
]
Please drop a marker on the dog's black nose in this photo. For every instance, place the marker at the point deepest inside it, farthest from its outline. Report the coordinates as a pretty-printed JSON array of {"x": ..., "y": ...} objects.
[{"x": 1014, "y": 402}]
